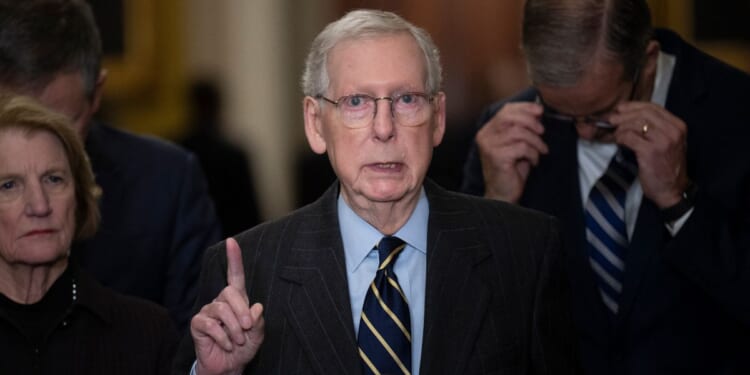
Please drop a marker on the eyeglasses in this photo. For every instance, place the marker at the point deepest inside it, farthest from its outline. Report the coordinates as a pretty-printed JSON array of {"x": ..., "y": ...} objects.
[
  {"x": 358, "y": 110},
  {"x": 597, "y": 121},
  {"x": 550, "y": 113}
]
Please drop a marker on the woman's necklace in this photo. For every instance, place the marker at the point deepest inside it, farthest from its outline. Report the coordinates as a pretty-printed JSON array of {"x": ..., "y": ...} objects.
[{"x": 75, "y": 289}]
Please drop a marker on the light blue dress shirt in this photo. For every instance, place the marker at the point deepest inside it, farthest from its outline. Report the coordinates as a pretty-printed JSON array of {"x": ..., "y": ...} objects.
[{"x": 360, "y": 239}]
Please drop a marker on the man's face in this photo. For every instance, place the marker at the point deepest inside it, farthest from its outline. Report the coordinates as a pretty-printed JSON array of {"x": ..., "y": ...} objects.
[
  {"x": 382, "y": 161},
  {"x": 596, "y": 95},
  {"x": 66, "y": 94}
]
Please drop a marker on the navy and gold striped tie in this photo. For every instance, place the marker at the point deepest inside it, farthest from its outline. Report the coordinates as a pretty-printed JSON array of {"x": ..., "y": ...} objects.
[{"x": 385, "y": 328}]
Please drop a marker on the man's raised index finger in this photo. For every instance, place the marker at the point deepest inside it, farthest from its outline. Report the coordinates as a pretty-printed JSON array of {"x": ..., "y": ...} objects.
[{"x": 235, "y": 270}]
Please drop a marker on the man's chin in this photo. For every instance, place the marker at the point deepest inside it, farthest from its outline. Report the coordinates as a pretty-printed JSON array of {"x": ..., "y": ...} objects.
[{"x": 384, "y": 194}]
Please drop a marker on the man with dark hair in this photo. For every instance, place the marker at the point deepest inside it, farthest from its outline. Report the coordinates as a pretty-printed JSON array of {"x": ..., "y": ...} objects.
[
  {"x": 156, "y": 214},
  {"x": 635, "y": 140}
]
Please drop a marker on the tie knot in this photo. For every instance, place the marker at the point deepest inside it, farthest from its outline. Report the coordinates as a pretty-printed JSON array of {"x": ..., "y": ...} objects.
[
  {"x": 389, "y": 248},
  {"x": 624, "y": 167},
  {"x": 626, "y": 156}
]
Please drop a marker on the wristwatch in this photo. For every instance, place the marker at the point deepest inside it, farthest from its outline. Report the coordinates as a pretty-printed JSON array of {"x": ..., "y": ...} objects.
[{"x": 687, "y": 201}]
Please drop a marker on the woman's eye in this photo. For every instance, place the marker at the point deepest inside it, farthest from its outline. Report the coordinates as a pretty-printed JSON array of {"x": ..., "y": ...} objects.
[
  {"x": 7, "y": 185},
  {"x": 54, "y": 180}
]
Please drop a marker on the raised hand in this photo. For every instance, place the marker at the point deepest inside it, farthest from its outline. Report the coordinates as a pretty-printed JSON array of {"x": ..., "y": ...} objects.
[
  {"x": 509, "y": 145},
  {"x": 228, "y": 332},
  {"x": 658, "y": 139}
]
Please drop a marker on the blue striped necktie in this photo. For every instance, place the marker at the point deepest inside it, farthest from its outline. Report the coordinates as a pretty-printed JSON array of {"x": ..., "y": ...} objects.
[
  {"x": 384, "y": 329},
  {"x": 606, "y": 233}
]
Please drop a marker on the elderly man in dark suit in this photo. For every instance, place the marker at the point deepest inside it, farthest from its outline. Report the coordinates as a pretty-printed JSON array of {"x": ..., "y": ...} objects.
[
  {"x": 636, "y": 141},
  {"x": 386, "y": 272}
]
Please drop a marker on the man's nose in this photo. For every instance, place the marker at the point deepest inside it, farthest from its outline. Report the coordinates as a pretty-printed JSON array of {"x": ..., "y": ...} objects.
[{"x": 383, "y": 124}]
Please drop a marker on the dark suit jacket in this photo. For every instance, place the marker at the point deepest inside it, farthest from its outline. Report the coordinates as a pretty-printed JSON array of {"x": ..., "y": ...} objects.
[
  {"x": 157, "y": 219},
  {"x": 684, "y": 306},
  {"x": 496, "y": 302}
]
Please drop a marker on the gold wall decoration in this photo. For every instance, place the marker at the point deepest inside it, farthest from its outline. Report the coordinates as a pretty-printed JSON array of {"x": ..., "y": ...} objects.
[
  {"x": 146, "y": 68},
  {"x": 128, "y": 34}
]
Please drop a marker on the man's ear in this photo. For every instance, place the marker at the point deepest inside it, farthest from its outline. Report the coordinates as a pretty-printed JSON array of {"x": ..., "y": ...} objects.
[
  {"x": 314, "y": 125},
  {"x": 439, "y": 131},
  {"x": 648, "y": 71},
  {"x": 96, "y": 98},
  {"x": 652, "y": 54}
]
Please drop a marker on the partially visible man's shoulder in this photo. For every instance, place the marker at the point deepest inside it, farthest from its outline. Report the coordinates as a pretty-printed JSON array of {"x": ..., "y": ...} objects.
[
  {"x": 143, "y": 330},
  {"x": 317, "y": 214},
  {"x": 318, "y": 218},
  {"x": 134, "y": 309},
  {"x": 123, "y": 145},
  {"x": 125, "y": 313},
  {"x": 489, "y": 208},
  {"x": 719, "y": 73},
  {"x": 508, "y": 229}
]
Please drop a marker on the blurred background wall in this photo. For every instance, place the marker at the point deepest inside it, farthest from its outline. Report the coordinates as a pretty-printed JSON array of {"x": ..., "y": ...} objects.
[{"x": 254, "y": 51}]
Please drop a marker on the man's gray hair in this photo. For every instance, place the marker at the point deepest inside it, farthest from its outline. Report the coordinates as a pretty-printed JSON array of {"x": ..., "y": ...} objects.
[
  {"x": 360, "y": 24},
  {"x": 561, "y": 38}
]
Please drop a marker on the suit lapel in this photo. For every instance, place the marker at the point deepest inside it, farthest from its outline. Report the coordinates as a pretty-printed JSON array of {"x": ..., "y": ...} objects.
[
  {"x": 644, "y": 246},
  {"x": 687, "y": 85},
  {"x": 456, "y": 299},
  {"x": 319, "y": 307}
]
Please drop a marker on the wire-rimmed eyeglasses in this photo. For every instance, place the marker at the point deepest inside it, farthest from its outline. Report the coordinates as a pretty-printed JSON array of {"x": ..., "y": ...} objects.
[{"x": 358, "y": 110}]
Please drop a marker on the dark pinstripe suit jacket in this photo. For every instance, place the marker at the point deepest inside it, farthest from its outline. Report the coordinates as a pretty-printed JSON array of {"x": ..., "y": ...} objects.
[{"x": 496, "y": 303}]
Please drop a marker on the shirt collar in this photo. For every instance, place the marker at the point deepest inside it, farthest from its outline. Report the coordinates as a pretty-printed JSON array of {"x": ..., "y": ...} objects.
[
  {"x": 359, "y": 237},
  {"x": 664, "y": 69}
]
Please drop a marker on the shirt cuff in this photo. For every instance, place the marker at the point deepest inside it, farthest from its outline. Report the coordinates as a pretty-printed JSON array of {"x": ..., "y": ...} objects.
[{"x": 675, "y": 226}]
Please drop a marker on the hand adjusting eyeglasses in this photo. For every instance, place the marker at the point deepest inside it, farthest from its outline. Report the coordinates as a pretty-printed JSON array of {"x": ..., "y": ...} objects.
[{"x": 596, "y": 120}]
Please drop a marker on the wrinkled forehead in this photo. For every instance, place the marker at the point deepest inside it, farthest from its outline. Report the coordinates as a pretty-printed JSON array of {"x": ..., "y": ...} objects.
[
  {"x": 393, "y": 57},
  {"x": 13, "y": 129}
]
